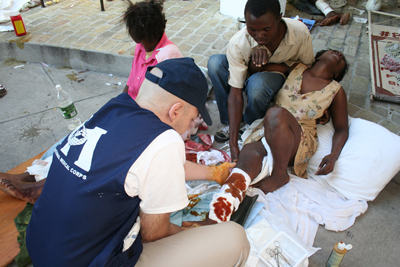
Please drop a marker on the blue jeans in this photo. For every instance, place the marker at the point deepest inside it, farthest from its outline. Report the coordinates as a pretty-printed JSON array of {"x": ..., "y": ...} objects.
[{"x": 260, "y": 89}]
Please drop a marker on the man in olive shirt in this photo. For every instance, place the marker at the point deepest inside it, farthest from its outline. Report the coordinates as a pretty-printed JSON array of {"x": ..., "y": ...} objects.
[{"x": 267, "y": 38}]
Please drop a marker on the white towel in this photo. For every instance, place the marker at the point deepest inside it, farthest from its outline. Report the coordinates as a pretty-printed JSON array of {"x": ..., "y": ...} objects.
[{"x": 304, "y": 204}]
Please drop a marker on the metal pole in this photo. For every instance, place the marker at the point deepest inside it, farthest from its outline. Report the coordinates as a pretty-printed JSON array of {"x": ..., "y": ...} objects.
[{"x": 101, "y": 5}]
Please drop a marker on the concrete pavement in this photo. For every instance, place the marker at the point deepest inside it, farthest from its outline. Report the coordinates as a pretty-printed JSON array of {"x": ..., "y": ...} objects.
[
  {"x": 29, "y": 119},
  {"x": 84, "y": 45}
]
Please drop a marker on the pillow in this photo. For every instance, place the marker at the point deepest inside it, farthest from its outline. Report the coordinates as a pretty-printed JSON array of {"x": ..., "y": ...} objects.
[{"x": 368, "y": 161}]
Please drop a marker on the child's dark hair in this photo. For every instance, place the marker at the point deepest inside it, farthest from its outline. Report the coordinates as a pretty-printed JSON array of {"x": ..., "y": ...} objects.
[
  {"x": 342, "y": 73},
  {"x": 257, "y": 8},
  {"x": 145, "y": 20}
]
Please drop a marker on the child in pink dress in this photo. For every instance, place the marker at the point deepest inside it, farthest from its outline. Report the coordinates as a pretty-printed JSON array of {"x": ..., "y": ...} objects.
[{"x": 146, "y": 25}]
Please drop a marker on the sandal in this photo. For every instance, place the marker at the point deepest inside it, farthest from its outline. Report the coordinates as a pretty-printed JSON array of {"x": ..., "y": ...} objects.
[
  {"x": 222, "y": 135},
  {"x": 3, "y": 91}
]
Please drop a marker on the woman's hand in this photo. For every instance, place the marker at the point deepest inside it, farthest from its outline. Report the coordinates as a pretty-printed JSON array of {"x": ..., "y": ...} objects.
[
  {"x": 327, "y": 164},
  {"x": 325, "y": 118}
]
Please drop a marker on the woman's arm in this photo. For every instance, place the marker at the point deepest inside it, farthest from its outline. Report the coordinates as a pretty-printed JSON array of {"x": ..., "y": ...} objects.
[{"x": 338, "y": 110}]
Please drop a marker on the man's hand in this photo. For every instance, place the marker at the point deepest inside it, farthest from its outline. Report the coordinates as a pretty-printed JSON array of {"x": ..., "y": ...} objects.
[
  {"x": 325, "y": 118},
  {"x": 221, "y": 172},
  {"x": 327, "y": 164},
  {"x": 259, "y": 57},
  {"x": 234, "y": 150}
]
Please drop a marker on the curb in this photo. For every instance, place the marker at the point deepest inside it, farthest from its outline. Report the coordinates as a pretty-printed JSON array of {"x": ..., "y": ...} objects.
[{"x": 66, "y": 57}]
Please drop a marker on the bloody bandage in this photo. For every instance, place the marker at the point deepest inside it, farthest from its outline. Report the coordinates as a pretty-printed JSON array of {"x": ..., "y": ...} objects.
[{"x": 228, "y": 199}]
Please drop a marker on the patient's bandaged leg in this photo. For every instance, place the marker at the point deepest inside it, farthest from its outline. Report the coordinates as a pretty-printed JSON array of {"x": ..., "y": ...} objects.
[{"x": 228, "y": 199}]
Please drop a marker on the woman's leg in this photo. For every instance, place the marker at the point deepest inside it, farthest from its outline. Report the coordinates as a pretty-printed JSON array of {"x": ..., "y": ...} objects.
[
  {"x": 228, "y": 199},
  {"x": 283, "y": 134}
]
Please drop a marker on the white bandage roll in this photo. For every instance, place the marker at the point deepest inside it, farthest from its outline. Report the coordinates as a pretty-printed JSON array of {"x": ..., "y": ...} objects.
[
  {"x": 267, "y": 164},
  {"x": 324, "y": 7}
]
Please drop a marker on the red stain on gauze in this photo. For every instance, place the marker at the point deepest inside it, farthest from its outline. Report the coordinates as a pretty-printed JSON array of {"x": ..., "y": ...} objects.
[
  {"x": 222, "y": 209},
  {"x": 236, "y": 186}
]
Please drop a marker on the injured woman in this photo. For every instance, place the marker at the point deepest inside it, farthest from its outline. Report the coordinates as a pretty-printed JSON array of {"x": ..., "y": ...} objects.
[{"x": 287, "y": 137}]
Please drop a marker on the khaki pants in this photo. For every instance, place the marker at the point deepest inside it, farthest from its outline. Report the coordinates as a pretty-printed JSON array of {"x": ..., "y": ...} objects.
[{"x": 218, "y": 245}]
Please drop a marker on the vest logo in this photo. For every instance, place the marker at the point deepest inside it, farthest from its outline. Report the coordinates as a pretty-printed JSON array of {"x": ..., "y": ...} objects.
[{"x": 87, "y": 139}]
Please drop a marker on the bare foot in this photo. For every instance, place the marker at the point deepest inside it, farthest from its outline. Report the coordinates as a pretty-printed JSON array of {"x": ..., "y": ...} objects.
[
  {"x": 344, "y": 18},
  {"x": 26, "y": 191},
  {"x": 22, "y": 177},
  {"x": 330, "y": 19},
  {"x": 273, "y": 182}
]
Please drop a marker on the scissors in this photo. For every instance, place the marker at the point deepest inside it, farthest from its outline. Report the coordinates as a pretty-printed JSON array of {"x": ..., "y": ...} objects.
[{"x": 276, "y": 253}]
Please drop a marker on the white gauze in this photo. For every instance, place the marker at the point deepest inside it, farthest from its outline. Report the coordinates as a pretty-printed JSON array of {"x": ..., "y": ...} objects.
[
  {"x": 324, "y": 7},
  {"x": 267, "y": 163},
  {"x": 40, "y": 168},
  {"x": 226, "y": 199}
]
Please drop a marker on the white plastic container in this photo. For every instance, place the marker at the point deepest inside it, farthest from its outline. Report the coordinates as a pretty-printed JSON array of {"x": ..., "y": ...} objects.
[{"x": 291, "y": 250}]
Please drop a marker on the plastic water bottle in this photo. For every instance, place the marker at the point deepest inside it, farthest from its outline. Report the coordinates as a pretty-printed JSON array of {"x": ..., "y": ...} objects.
[{"x": 67, "y": 108}]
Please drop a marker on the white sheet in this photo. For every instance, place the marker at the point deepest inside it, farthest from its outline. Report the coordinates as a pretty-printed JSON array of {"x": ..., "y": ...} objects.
[
  {"x": 304, "y": 204},
  {"x": 365, "y": 165},
  {"x": 8, "y": 7}
]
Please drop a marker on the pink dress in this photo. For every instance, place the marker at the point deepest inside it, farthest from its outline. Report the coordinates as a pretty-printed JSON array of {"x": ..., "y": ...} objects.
[{"x": 165, "y": 49}]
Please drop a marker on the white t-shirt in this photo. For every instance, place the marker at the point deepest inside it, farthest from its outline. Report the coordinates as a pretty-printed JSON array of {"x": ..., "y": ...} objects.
[{"x": 158, "y": 175}]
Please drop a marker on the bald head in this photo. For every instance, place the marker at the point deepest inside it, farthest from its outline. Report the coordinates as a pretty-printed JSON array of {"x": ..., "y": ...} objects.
[
  {"x": 154, "y": 98},
  {"x": 169, "y": 108}
]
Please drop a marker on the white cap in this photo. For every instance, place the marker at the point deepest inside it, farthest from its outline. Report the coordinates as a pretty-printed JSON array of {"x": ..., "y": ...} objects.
[{"x": 342, "y": 245}]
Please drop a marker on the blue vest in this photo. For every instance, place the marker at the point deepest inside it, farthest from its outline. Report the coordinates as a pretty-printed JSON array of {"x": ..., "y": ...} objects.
[{"x": 83, "y": 213}]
